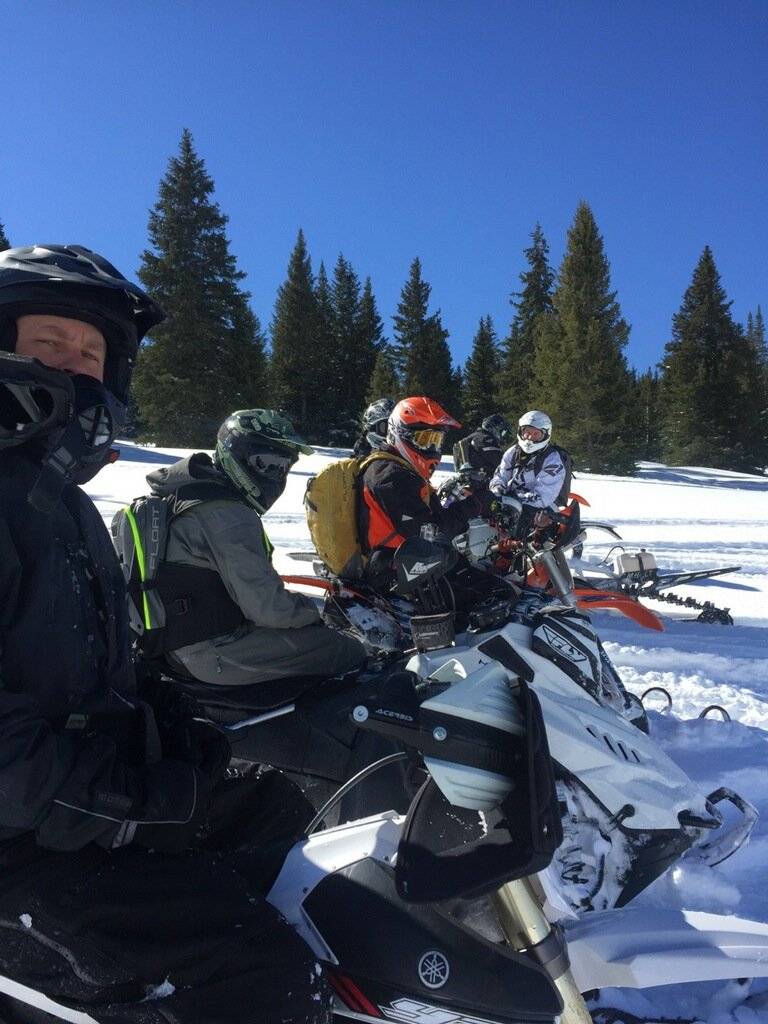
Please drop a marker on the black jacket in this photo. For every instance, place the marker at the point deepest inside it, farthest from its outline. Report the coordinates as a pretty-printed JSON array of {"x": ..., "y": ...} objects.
[
  {"x": 480, "y": 450},
  {"x": 395, "y": 502},
  {"x": 80, "y": 757}
]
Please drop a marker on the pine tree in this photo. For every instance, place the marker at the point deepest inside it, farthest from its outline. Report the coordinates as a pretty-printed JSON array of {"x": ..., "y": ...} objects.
[
  {"x": 711, "y": 395},
  {"x": 370, "y": 323},
  {"x": 581, "y": 376},
  {"x": 297, "y": 359},
  {"x": 207, "y": 359},
  {"x": 323, "y": 346},
  {"x": 356, "y": 324},
  {"x": 481, "y": 375},
  {"x": 648, "y": 416},
  {"x": 755, "y": 336},
  {"x": 4, "y": 243},
  {"x": 420, "y": 348},
  {"x": 384, "y": 382},
  {"x": 514, "y": 387}
]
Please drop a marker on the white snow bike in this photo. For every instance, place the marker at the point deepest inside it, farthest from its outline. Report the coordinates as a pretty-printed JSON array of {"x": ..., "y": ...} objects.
[{"x": 505, "y": 894}]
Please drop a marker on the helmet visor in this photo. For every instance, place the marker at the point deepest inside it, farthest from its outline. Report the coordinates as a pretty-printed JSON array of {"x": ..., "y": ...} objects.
[
  {"x": 270, "y": 465},
  {"x": 530, "y": 433}
]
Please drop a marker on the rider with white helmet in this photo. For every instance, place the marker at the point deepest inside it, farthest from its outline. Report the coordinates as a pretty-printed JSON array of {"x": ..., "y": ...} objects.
[{"x": 533, "y": 470}]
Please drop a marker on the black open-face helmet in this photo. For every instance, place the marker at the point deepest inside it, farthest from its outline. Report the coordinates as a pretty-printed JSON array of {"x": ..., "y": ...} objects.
[
  {"x": 499, "y": 428},
  {"x": 71, "y": 281}
]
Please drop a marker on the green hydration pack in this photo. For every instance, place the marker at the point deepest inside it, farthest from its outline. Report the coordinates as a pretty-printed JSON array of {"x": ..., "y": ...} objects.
[
  {"x": 170, "y": 605},
  {"x": 330, "y": 503}
]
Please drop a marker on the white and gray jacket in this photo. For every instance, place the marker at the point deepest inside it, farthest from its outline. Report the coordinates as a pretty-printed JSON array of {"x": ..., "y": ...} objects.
[{"x": 534, "y": 479}]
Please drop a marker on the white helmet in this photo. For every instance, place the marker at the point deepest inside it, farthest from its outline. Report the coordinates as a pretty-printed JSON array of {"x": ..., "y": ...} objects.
[{"x": 540, "y": 421}]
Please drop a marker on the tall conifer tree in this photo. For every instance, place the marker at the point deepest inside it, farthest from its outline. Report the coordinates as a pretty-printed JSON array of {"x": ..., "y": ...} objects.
[
  {"x": 4, "y": 243},
  {"x": 648, "y": 416},
  {"x": 207, "y": 359},
  {"x": 581, "y": 375},
  {"x": 514, "y": 387},
  {"x": 354, "y": 347},
  {"x": 297, "y": 359},
  {"x": 481, "y": 375},
  {"x": 420, "y": 347},
  {"x": 710, "y": 391},
  {"x": 323, "y": 357},
  {"x": 370, "y": 323},
  {"x": 384, "y": 382},
  {"x": 756, "y": 338}
]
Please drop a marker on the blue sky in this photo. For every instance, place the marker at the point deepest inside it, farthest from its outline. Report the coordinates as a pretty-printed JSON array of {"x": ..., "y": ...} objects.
[{"x": 394, "y": 129}]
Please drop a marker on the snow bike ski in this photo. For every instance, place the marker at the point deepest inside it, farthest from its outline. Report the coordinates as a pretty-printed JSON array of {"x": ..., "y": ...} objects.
[{"x": 637, "y": 575}]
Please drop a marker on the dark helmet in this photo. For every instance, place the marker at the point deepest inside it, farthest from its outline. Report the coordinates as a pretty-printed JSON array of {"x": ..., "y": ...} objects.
[
  {"x": 375, "y": 421},
  {"x": 255, "y": 448},
  {"x": 498, "y": 427},
  {"x": 71, "y": 281}
]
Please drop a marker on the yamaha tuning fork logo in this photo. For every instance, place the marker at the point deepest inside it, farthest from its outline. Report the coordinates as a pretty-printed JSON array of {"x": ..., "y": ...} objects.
[{"x": 433, "y": 969}]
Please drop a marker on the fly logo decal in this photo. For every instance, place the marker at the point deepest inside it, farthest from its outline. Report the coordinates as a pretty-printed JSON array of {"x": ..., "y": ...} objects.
[
  {"x": 563, "y": 646},
  {"x": 433, "y": 969}
]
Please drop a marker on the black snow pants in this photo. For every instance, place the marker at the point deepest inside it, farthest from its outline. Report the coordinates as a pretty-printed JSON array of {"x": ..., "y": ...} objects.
[{"x": 133, "y": 936}]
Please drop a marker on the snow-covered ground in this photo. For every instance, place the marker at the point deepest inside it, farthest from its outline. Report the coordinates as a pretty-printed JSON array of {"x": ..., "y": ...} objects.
[{"x": 691, "y": 518}]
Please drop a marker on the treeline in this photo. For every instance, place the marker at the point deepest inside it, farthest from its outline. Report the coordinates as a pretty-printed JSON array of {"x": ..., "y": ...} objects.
[{"x": 326, "y": 354}]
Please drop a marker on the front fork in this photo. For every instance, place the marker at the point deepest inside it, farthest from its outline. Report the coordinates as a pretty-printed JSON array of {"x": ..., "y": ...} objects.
[{"x": 519, "y": 908}]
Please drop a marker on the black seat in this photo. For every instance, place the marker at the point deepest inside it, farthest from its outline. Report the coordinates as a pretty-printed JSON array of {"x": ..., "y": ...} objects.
[{"x": 260, "y": 697}]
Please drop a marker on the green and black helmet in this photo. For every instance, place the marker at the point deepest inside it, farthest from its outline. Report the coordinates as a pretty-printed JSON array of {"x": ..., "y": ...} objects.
[{"x": 255, "y": 448}]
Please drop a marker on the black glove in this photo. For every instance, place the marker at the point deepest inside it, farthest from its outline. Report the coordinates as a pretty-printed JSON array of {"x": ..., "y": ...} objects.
[
  {"x": 487, "y": 500},
  {"x": 177, "y": 820},
  {"x": 199, "y": 742},
  {"x": 471, "y": 506},
  {"x": 169, "y": 822}
]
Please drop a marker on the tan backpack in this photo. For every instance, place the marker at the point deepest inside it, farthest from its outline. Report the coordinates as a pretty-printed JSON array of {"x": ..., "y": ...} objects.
[{"x": 330, "y": 503}]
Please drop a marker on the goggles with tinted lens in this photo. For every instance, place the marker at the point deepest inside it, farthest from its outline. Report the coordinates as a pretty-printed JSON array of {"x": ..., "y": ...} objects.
[
  {"x": 530, "y": 433},
  {"x": 428, "y": 440},
  {"x": 270, "y": 465}
]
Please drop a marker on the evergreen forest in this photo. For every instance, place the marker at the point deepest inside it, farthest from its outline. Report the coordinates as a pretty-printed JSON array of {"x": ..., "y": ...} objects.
[{"x": 327, "y": 352}]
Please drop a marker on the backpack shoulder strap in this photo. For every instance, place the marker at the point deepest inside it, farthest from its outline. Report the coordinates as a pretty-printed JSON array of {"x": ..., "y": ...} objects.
[{"x": 389, "y": 457}]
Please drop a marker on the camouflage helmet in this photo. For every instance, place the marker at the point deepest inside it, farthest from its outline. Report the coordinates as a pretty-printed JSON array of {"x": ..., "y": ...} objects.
[{"x": 255, "y": 448}]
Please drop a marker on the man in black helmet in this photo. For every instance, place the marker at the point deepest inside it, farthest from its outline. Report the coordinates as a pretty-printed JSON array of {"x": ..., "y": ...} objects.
[
  {"x": 374, "y": 424},
  {"x": 123, "y": 910},
  {"x": 480, "y": 452}
]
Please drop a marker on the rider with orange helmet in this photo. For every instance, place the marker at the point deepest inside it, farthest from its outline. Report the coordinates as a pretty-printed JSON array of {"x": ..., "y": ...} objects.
[
  {"x": 397, "y": 501},
  {"x": 396, "y": 498}
]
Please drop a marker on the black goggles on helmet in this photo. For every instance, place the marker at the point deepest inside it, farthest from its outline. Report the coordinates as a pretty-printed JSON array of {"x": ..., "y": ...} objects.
[{"x": 34, "y": 399}]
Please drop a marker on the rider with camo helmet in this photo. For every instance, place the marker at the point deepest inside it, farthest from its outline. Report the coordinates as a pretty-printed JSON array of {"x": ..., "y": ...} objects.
[{"x": 217, "y": 528}]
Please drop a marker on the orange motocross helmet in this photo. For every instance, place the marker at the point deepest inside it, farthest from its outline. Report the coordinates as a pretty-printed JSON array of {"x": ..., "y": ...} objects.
[{"x": 416, "y": 430}]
